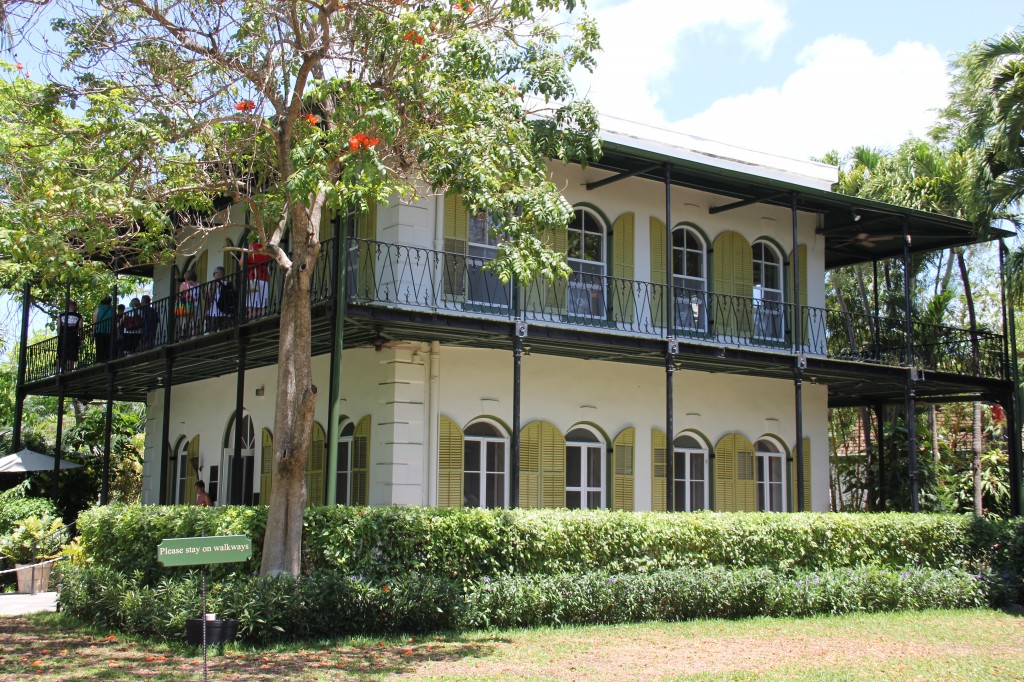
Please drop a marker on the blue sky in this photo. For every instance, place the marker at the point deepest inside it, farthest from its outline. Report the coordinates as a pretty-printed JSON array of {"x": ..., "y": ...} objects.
[{"x": 791, "y": 77}]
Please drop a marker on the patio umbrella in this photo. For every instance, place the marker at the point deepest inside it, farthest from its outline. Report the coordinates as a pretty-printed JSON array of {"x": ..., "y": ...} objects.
[{"x": 30, "y": 460}]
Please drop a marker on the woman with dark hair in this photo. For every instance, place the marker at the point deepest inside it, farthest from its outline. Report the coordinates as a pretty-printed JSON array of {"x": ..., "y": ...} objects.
[
  {"x": 102, "y": 328},
  {"x": 69, "y": 337}
]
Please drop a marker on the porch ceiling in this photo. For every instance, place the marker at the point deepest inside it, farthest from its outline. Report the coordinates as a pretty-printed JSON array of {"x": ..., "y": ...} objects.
[{"x": 855, "y": 230}]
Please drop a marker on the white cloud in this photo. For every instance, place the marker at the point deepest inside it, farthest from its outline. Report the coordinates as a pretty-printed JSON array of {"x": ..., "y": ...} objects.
[
  {"x": 638, "y": 39},
  {"x": 840, "y": 95}
]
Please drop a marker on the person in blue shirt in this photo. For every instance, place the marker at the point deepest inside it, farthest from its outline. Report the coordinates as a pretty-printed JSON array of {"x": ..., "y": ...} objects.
[{"x": 102, "y": 327}]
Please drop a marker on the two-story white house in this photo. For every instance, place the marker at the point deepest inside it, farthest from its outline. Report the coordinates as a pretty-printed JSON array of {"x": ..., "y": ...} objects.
[{"x": 688, "y": 363}]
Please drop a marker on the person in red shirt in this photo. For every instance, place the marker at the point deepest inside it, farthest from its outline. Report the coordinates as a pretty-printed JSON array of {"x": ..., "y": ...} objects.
[{"x": 259, "y": 274}]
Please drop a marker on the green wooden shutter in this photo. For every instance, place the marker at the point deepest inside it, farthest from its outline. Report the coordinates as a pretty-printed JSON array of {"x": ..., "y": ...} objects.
[
  {"x": 623, "y": 448},
  {"x": 558, "y": 297},
  {"x": 807, "y": 478},
  {"x": 659, "y": 470},
  {"x": 202, "y": 267},
  {"x": 733, "y": 276},
  {"x": 725, "y": 474},
  {"x": 456, "y": 243},
  {"x": 802, "y": 301},
  {"x": 315, "y": 467},
  {"x": 621, "y": 289},
  {"x": 266, "y": 466},
  {"x": 658, "y": 255},
  {"x": 192, "y": 470},
  {"x": 746, "y": 475},
  {"x": 541, "y": 466},
  {"x": 450, "y": 459},
  {"x": 361, "y": 462},
  {"x": 230, "y": 260},
  {"x": 366, "y": 259},
  {"x": 529, "y": 466}
]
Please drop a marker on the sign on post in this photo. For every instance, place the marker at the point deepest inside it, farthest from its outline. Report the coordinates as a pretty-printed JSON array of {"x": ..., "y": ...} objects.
[{"x": 216, "y": 549}]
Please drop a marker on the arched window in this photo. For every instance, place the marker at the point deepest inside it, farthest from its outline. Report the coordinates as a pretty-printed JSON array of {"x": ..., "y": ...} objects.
[
  {"x": 343, "y": 480},
  {"x": 237, "y": 487},
  {"x": 690, "y": 474},
  {"x": 586, "y": 257},
  {"x": 485, "y": 466},
  {"x": 767, "y": 291},
  {"x": 771, "y": 486},
  {"x": 584, "y": 470},
  {"x": 689, "y": 278}
]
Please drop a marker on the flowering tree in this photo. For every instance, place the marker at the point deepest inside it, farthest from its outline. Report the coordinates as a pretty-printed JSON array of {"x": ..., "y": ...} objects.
[{"x": 298, "y": 107}]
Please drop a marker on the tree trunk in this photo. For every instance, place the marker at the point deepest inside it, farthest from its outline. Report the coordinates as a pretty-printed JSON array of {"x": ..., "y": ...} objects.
[
  {"x": 933, "y": 421},
  {"x": 296, "y": 401}
]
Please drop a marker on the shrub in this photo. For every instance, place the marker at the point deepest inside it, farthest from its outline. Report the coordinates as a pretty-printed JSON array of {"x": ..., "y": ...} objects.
[
  {"x": 15, "y": 506},
  {"x": 34, "y": 539}
]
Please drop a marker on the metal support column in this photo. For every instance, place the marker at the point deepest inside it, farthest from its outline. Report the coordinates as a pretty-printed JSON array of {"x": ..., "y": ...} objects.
[
  {"x": 108, "y": 426},
  {"x": 1014, "y": 407},
  {"x": 800, "y": 363},
  {"x": 337, "y": 351},
  {"x": 865, "y": 424},
  {"x": 19, "y": 390},
  {"x": 519, "y": 332},
  {"x": 672, "y": 348},
  {"x": 911, "y": 396},
  {"x": 878, "y": 332},
  {"x": 165, "y": 430},
  {"x": 236, "y": 495},
  {"x": 58, "y": 444},
  {"x": 882, "y": 492}
]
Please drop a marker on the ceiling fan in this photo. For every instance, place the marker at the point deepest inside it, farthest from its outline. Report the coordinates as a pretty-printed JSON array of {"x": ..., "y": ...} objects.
[{"x": 866, "y": 240}]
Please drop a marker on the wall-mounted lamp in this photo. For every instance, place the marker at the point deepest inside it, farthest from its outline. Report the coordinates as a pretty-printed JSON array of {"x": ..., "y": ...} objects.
[
  {"x": 260, "y": 392},
  {"x": 855, "y": 215}
]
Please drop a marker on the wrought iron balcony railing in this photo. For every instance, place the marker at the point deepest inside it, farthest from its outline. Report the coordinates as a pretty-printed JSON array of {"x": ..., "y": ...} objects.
[{"x": 453, "y": 284}]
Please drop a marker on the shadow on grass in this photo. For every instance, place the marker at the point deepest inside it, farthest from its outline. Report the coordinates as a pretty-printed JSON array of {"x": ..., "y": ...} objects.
[{"x": 55, "y": 647}]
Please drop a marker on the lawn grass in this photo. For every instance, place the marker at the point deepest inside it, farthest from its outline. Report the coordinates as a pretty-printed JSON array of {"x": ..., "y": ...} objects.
[{"x": 932, "y": 645}]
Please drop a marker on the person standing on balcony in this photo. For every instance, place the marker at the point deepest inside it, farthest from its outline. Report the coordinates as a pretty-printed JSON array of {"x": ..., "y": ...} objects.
[
  {"x": 133, "y": 326},
  {"x": 259, "y": 276},
  {"x": 221, "y": 304},
  {"x": 69, "y": 337},
  {"x": 102, "y": 328},
  {"x": 185, "y": 309},
  {"x": 150, "y": 322}
]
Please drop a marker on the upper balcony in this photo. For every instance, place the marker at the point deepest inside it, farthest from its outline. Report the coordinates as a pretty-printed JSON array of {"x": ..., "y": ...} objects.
[{"x": 399, "y": 280}]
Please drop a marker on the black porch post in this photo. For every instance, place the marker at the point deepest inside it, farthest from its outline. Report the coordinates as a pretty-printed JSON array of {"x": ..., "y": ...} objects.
[
  {"x": 19, "y": 391},
  {"x": 798, "y": 366},
  {"x": 165, "y": 429},
  {"x": 911, "y": 398},
  {"x": 339, "y": 261},
  {"x": 878, "y": 332},
  {"x": 1013, "y": 408},
  {"x": 236, "y": 493},
  {"x": 107, "y": 427},
  {"x": 671, "y": 349},
  {"x": 865, "y": 422},
  {"x": 519, "y": 331},
  {"x": 58, "y": 443},
  {"x": 882, "y": 492}
]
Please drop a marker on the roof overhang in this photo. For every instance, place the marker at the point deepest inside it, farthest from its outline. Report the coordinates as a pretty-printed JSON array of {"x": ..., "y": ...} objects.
[{"x": 855, "y": 230}]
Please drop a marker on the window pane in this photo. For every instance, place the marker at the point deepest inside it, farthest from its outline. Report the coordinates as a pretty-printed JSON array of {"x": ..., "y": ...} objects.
[
  {"x": 697, "y": 496},
  {"x": 760, "y": 497},
  {"x": 496, "y": 456},
  {"x": 472, "y": 449},
  {"x": 679, "y": 466},
  {"x": 775, "y": 469},
  {"x": 342, "y": 487},
  {"x": 678, "y": 265},
  {"x": 679, "y": 496},
  {"x": 495, "y": 490},
  {"x": 760, "y": 468},
  {"x": 471, "y": 490},
  {"x": 572, "y": 499},
  {"x": 696, "y": 467},
  {"x": 694, "y": 264},
  {"x": 594, "y": 500},
  {"x": 776, "y": 493},
  {"x": 572, "y": 467},
  {"x": 592, "y": 248},
  {"x": 594, "y": 467},
  {"x": 575, "y": 250}
]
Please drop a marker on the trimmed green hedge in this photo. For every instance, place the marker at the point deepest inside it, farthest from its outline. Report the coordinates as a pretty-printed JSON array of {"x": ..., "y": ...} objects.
[
  {"x": 331, "y": 604},
  {"x": 387, "y": 542}
]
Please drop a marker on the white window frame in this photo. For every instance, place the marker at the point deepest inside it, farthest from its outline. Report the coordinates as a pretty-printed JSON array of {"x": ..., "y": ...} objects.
[
  {"x": 483, "y": 472},
  {"x": 762, "y": 462},
  {"x": 180, "y": 494},
  {"x": 583, "y": 489},
  {"x": 345, "y": 444},
  {"x": 687, "y": 454},
  {"x": 769, "y": 302},
  {"x": 690, "y": 290},
  {"x": 588, "y": 280}
]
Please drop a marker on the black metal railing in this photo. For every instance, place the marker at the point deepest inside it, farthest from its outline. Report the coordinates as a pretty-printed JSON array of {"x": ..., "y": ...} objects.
[{"x": 415, "y": 278}]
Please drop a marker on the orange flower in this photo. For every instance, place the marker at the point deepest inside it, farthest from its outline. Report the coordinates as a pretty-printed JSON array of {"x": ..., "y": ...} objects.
[
  {"x": 19, "y": 66},
  {"x": 311, "y": 119},
  {"x": 372, "y": 142},
  {"x": 385, "y": 588},
  {"x": 246, "y": 105}
]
